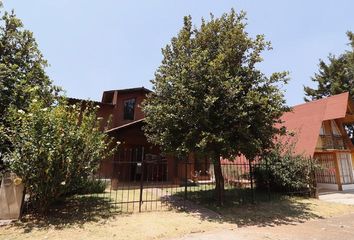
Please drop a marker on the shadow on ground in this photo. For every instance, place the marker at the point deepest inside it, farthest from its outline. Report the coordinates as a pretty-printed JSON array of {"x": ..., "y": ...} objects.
[
  {"x": 78, "y": 210},
  {"x": 73, "y": 211},
  {"x": 239, "y": 210}
]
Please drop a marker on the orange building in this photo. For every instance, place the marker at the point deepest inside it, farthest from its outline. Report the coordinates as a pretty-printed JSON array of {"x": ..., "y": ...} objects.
[{"x": 319, "y": 128}]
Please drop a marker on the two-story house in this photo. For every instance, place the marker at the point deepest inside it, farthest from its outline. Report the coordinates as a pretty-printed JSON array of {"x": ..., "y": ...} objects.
[
  {"x": 319, "y": 128},
  {"x": 122, "y": 110}
]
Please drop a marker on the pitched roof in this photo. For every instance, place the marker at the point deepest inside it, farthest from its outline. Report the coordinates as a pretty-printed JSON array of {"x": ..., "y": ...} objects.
[
  {"x": 72, "y": 100},
  {"x": 129, "y": 90},
  {"x": 306, "y": 119}
]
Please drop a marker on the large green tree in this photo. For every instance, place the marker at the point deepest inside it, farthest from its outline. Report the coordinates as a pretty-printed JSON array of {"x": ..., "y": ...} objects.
[
  {"x": 209, "y": 97},
  {"x": 334, "y": 77},
  {"x": 22, "y": 72},
  {"x": 53, "y": 146}
]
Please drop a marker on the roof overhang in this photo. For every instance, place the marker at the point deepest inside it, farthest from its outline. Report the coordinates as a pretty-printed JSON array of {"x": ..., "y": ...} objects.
[
  {"x": 305, "y": 120},
  {"x": 85, "y": 101},
  {"x": 349, "y": 117},
  {"x": 125, "y": 126}
]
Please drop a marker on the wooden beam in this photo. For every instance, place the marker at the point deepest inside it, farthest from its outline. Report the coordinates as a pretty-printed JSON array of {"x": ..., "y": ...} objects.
[
  {"x": 336, "y": 164},
  {"x": 344, "y": 134},
  {"x": 351, "y": 106}
]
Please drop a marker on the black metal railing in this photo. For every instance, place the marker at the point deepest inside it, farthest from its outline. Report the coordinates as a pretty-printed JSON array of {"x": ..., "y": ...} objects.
[
  {"x": 141, "y": 181},
  {"x": 332, "y": 142}
]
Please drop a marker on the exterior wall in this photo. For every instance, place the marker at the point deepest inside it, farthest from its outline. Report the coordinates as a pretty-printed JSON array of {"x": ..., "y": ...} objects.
[
  {"x": 337, "y": 171},
  {"x": 328, "y": 186},
  {"x": 104, "y": 110},
  {"x": 348, "y": 187},
  {"x": 132, "y": 137},
  {"x": 329, "y": 173},
  {"x": 118, "y": 112},
  {"x": 106, "y": 168}
]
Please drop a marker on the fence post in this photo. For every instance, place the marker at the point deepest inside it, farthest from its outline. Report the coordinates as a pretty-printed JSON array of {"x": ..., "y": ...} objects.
[
  {"x": 141, "y": 179},
  {"x": 186, "y": 178},
  {"x": 268, "y": 180},
  {"x": 313, "y": 180},
  {"x": 251, "y": 178}
]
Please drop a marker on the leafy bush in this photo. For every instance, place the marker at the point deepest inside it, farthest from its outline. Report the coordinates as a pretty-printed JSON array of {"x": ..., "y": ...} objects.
[
  {"x": 88, "y": 186},
  {"x": 285, "y": 171},
  {"x": 55, "y": 149},
  {"x": 22, "y": 73}
]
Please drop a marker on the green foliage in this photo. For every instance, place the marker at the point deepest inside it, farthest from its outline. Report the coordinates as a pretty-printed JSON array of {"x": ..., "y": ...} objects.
[
  {"x": 88, "y": 186},
  {"x": 22, "y": 72},
  {"x": 335, "y": 77},
  {"x": 209, "y": 96},
  {"x": 285, "y": 171},
  {"x": 55, "y": 149}
]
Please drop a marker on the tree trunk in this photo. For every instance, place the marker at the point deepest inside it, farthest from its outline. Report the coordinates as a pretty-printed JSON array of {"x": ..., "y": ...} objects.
[{"x": 219, "y": 181}]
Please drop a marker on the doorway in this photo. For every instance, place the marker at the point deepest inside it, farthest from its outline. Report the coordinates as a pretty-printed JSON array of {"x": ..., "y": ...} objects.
[{"x": 345, "y": 168}]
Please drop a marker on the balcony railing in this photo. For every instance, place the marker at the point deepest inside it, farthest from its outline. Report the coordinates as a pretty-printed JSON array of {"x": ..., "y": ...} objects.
[{"x": 332, "y": 142}]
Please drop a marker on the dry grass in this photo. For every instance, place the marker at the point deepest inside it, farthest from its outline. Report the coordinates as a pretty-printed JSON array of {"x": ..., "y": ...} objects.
[
  {"x": 288, "y": 210},
  {"x": 151, "y": 225},
  {"x": 80, "y": 220}
]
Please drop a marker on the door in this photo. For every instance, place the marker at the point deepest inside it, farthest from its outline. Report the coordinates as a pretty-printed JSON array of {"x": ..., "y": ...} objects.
[{"x": 345, "y": 168}]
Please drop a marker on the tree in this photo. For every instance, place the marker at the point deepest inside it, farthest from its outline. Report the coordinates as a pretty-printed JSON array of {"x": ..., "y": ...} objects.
[
  {"x": 210, "y": 98},
  {"x": 335, "y": 77},
  {"x": 55, "y": 149},
  {"x": 52, "y": 146},
  {"x": 22, "y": 72}
]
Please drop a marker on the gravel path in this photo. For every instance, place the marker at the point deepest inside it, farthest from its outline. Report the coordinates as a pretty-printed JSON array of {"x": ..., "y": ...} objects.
[{"x": 341, "y": 227}]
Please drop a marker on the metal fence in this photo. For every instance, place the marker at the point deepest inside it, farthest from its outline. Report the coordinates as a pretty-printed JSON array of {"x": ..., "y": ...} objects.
[{"x": 141, "y": 182}]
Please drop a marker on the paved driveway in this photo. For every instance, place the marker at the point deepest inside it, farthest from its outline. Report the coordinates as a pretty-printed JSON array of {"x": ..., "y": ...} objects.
[
  {"x": 341, "y": 227},
  {"x": 343, "y": 197}
]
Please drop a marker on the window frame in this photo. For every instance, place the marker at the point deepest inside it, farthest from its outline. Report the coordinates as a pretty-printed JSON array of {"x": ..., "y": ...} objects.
[{"x": 133, "y": 110}]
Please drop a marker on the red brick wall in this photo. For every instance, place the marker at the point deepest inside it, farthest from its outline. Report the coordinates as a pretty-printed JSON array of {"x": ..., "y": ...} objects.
[{"x": 118, "y": 111}]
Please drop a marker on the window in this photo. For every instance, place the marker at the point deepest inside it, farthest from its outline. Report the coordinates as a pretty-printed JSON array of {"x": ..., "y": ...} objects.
[
  {"x": 201, "y": 165},
  {"x": 322, "y": 129},
  {"x": 346, "y": 169},
  {"x": 129, "y": 105},
  {"x": 335, "y": 129}
]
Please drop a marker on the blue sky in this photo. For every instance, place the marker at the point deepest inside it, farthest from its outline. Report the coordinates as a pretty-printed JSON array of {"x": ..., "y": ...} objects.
[{"x": 94, "y": 46}]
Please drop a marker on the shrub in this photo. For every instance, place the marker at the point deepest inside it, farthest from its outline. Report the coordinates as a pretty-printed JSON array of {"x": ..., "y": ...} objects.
[
  {"x": 285, "y": 171},
  {"x": 55, "y": 149},
  {"x": 88, "y": 186}
]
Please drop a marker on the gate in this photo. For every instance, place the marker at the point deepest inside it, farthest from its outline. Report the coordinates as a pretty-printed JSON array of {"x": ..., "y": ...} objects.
[{"x": 139, "y": 182}]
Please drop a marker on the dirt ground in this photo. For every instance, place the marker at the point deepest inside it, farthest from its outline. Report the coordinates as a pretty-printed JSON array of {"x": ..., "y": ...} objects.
[
  {"x": 152, "y": 225},
  {"x": 340, "y": 227},
  {"x": 271, "y": 220}
]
